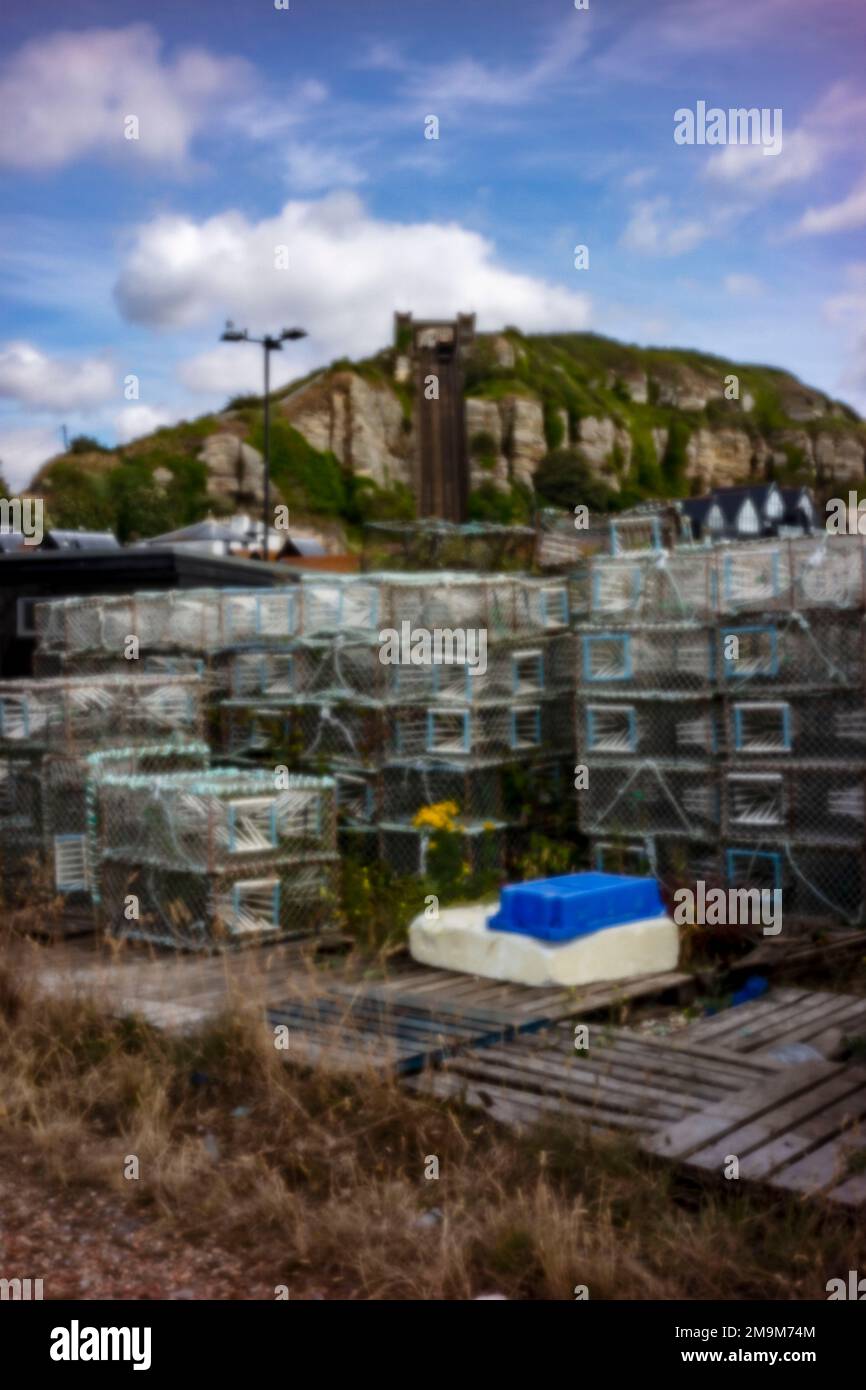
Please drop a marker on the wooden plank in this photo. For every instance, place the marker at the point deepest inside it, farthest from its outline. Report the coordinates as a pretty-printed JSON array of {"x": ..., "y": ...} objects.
[
  {"x": 521, "y": 1110},
  {"x": 784, "y": 1016},
  {"x": 731, "y": 1111},
  {"x": 742, "y": 1019},
  {"x": 521, "y": 1005},
  {"x": 798, "y": 1132},
  {"x": 347, "y": 1027},
  {"x": 794, "y": 955},
  {"x": 621, "y": 1080}
]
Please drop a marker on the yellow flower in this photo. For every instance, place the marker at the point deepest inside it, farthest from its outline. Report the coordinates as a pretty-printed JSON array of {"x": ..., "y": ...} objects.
[{"x": 439, "y": 816}]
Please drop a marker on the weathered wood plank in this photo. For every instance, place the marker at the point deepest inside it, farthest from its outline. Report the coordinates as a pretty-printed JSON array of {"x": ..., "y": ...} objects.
[
  {"x": 801, "y": 1131},
  {"x": 784, "y": 1016},
  {"x": 632, "y": 1082}
]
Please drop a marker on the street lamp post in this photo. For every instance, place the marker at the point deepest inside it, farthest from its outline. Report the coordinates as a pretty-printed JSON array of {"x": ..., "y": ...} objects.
[{"x": 269, "y": 343}]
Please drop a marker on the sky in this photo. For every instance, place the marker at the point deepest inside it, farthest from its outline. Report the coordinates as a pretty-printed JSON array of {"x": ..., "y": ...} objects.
[{"x": 165, "y": 167}]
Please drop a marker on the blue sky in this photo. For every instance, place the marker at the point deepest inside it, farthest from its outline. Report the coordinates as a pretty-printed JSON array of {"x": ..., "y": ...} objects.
[{"x": 281, "y": 175}]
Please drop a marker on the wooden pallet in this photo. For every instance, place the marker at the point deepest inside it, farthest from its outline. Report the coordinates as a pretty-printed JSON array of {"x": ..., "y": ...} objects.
[
  {"x": 416, "y": 1018},
  {"x": 802, "y": 1131},
  {"x": 778, "y": 1017},
  {"x": 797, "y": 953},
  {"x": 621, "y": 1081},
  {"x": 345, "y": 1027},
  {"x": 519, "y": 1007}
]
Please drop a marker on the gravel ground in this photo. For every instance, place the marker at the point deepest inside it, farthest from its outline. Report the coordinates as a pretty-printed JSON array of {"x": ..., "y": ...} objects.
[{"x": 86, "y": 1244}]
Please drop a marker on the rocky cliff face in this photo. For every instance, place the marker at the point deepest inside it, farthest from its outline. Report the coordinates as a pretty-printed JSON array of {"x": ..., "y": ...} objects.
[
  {"x": 772, "y": 424},
  {"x": 646, "y": 421},
  {"x": 360, "y": 422}
]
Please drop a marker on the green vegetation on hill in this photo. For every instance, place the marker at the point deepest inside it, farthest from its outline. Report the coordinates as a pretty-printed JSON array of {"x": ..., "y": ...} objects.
[{"x": 158, "y": 483}]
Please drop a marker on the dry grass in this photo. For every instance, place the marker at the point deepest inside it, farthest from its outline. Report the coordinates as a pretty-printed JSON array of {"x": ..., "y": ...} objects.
[{"x": 322, "y": 1177}]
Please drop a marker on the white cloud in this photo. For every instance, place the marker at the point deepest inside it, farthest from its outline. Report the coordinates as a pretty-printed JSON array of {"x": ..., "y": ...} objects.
[
  {"x": 32, "y": 379},
  {"x": 235, "y": 369},
  {"x": 801, "y": 155},
  {"x": 466, "y": 82},
  {"x": 67, "y": 95},
  {"x": 741, "y": 284},
  {"x": 652, "y": 232},
  {"x": 311, "y": 170},
  {"x": 852, "y": 301},
  {"x": 347, "y": 272},
  {"x": 830, "y": 128},
  {"x": 135, "y": 420},
  {"x": 638, "y": 177},
  {"x": 266, "y": 117},
  {"x": 23, "y": 449},
  {"x": 854, "y": 376},
  {"x": 845, "y": 216}
]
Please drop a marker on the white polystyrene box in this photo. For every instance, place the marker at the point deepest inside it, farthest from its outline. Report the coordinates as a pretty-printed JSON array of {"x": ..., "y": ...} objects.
[{"x": 459, "y": 939}]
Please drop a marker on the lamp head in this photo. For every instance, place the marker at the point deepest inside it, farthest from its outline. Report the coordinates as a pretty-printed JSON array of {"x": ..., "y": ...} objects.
[
  {"x": 292, "y": 334},
  {"x": 232, "y": 334}
]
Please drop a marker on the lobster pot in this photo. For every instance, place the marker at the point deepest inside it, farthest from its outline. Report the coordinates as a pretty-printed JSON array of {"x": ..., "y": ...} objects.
[
  {"x": 24, "y": 871},
  {"x": 680, "y": 656},
  {"x": 500, "y": 604},
  {"x": 787, "y": 652},
  {"x": 222, "y": 818},
  {"x": 754, "y": 578},
  {"x": 257, "y": 672},
  {"x": 475, "y": 792},
  {"x": 803, "y": 804},
  {"x": 828, "y": 574},
  {"x": 181, "y": 620},
  {"x": 653, "y": 727},
  {"x": 399, "y": 793},
  {"x": 174, "y": 907},
  {"x": 791, "y": 652},
  {"x": 698, "y": 583},
  {"x": 824, "y": 886},
  {"x": 410, "y": 852},
  {"x": 265, "y": 616},
  {"x": 20, "y": 795},
  {"x": 514, "y": 729},
  {"x": 650, "y": 798},
  {"x": 339, "y": 667},
  {"x": 53, "y": 664},
  {"x": 48, "y": 665},
  {"x": 86, "y": 712},
  {"x": 824, "y": 727},
  {"x": 817, "y": 885},
  {"x": 338, "y": 604},
  {"x": 324, "y": 733},
  {"x": 634, "y": 588},
  {"x": 173, "y": 620}
]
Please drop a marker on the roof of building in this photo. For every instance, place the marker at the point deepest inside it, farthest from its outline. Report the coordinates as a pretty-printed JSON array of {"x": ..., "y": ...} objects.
[
  {"x": 103, "y": 571},
  {"x": 11, "y": 541},
  {"x": 303, "y": 545},
  {"x": 80, "y": 540},
  {"x": 696, "y": 507}
]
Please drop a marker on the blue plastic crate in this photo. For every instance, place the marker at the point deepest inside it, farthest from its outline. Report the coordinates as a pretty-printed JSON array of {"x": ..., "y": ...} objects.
[{"x": 560, "y": 909}]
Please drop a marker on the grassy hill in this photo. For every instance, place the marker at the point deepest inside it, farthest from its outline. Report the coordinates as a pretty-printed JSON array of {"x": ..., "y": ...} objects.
[{"x": 648, "y": 395}]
